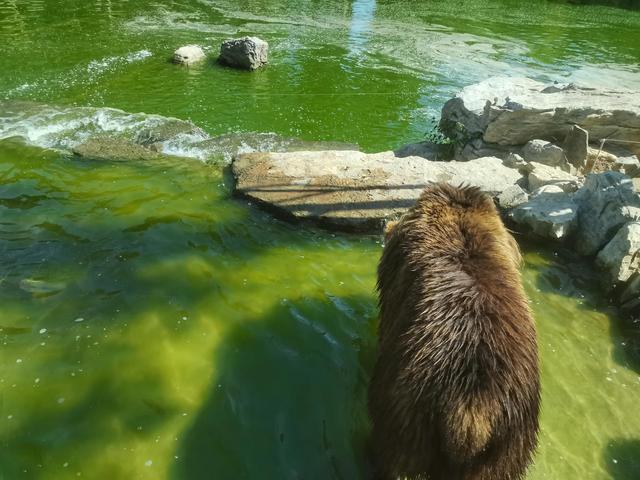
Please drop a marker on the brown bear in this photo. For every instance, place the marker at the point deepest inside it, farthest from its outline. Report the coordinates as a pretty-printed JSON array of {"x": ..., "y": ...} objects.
[{"x": 455, "y": 391}]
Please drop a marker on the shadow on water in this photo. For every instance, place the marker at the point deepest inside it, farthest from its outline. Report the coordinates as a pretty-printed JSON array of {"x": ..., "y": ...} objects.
[
  {"x": 127, "y": 250},
  {"x": 622, "y": 458},
  {"x": 288, "y": 400}
]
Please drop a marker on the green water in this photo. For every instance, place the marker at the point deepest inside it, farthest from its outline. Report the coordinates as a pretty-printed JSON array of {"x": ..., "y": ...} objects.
[{"x": 153, "y": 327}]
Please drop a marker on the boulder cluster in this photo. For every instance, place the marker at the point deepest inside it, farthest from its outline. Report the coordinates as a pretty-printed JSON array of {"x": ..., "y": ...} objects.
[
  {"x": 578, "y": 149},
  {"x": 247, "y": 53},
  {"x": 560, "y": 161}
]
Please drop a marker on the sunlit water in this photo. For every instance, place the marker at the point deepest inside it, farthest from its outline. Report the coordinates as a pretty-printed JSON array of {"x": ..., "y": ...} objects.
[{"x": 153, "y": 327}]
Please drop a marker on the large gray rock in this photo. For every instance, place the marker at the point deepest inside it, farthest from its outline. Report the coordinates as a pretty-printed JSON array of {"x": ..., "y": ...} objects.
[
  {"x": 551, "y": 213},
  {"x": 541, "y": 151},
  {"x": 114, "y": 149},
  {"x": 541, "y": 175},
  {"x": 351, "y": 190},
  {"x": 512, "y": 197},
  {"x": 620, "y": 258},
  {"x": 606, "y": 202},
  {"x": 576, "y": 147},
  {"x": 512, "y": 111},
  {"x": 188, "y": 55},
  {"x": 248, "y": 53}
]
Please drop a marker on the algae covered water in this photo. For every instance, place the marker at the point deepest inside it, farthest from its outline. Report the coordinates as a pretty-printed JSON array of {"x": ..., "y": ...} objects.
[{"x": 153, "y": 327}]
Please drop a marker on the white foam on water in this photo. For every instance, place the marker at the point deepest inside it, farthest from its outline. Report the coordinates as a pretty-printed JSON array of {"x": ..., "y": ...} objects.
[
  {"x": 64, "y": 128},
  {"x": 81, "y": 74}
]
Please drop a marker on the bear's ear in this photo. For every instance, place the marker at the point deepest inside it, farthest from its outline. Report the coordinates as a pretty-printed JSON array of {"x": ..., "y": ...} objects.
[{"x": 388, "y": 228}]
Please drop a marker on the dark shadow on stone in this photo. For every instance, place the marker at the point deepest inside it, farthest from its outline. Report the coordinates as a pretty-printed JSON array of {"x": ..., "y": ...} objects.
[
  {"x": 622, "y": 458},
  {"x": 427, "y": 150},
  {"x": 289, "y": 397}
]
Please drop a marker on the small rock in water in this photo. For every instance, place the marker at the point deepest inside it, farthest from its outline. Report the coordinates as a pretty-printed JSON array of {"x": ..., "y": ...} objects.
[
  {"x": 248, "y": 53},
  {"x": 188, "y": 55}
]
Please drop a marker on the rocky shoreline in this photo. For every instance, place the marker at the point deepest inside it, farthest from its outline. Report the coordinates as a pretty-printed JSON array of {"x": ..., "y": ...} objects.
[
  {"x": 574, "y": 184},
  {"x": 561, "y": 162}
]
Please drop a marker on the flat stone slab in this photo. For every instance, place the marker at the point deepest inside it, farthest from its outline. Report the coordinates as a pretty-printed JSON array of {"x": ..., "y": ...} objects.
[{"x": 351, "y": 190}]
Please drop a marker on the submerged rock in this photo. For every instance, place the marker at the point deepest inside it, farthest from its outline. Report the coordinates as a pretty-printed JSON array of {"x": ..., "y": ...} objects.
[
  {"x": 168, "y": 130},
  {"x": 113, "y": 149},
  {"x": 620, "y": 258},
  {"x": 350, "y": 190},
  {"x": 607, "y": 201},
  {"x": 512, "y": 111},
  {"x": 550, "y": 213},
  {"x": 188, "y": 55},
  {"x": 248, "y": 53}
]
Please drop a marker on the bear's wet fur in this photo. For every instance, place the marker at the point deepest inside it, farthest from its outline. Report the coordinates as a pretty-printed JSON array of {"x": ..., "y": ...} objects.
[{"x": 455, "y": 391}]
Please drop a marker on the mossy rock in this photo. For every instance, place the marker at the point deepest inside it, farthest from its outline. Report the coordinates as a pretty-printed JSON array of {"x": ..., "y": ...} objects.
[
  {"x": 166, "y": 131},
  {"x": 114, "y": 149}
]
